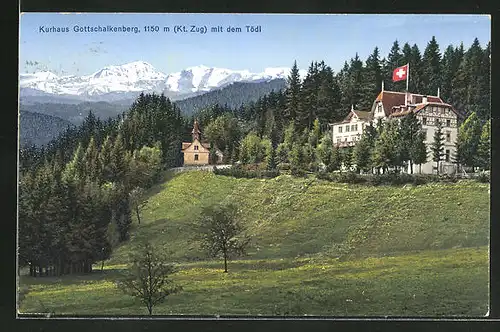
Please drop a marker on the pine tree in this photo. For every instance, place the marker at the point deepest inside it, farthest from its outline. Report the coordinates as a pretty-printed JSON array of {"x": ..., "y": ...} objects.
[
  {"x": 415, "y": 79},
  {"x": 448, "y": 69},
  {"x": 292, "y": 93},
  {"x": 459, "y": 83},
  {"x": 347, "y": 158},
  {"x": 315, "y": 134},
  {"x": 271, "y": 159},
  {"x": 289, "y": 138},
  {"x": 335, "y": 161},
  {"x": 372, "y": 80},
  {"x": 394, "y": 60},
  {"x": 296, "y": 156},
  {"x": 355, "y": 81},
  {"x": 437, "y": 146},
  {"x": 308, "y": 98},
  {"x": 484, "y": 84},
  {"x": 419, "y": 150},
  {"x": 409, "y": 128},
  {"x": 282, "y": 153},
  {"x": 329, "y": 97},
  {"x": 431, "y": 71},
  {"x": 386, "y": 152},
  {"x": 105, "y": 167},
  {"x": 90, "y": 160},
  {"x": 362, "y": 152}
]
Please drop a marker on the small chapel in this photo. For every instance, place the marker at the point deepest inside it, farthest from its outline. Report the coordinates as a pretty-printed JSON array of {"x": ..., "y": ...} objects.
[{"x": 197, "y": 152}]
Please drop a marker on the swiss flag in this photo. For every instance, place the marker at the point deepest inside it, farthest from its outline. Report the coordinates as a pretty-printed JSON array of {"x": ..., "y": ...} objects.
[{"x": 400, "y": 73}]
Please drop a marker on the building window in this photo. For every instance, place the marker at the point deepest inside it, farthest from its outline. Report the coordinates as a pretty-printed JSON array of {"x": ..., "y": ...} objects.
[
  {"x": 425, "y": 134},
  {"x": 196, "y": 147},
  {"x": 355, "y": 127},
  {"x": 436, "y": 122},
  {"x": 347, "y": 128},
  {"x": 195, "y": 157},
  {"x": 447, "y": 155},
  {"x": 424, "y": 121},
  {"x": 448, "y": 123},
  {"x": 340, "y": 129},
  {"x": 448, "y": 136},
  {"x": 345, "y": 139}
]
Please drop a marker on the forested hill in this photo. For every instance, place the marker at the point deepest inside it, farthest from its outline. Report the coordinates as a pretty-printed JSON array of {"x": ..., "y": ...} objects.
[
  {"x": 39, "y": 129},
  {"x": 233, "y": 96},
  {"x": 76, "y": 113}
]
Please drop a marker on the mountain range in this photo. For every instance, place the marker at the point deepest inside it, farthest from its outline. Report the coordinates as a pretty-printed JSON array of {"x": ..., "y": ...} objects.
[{"x": 125, "y": 82}]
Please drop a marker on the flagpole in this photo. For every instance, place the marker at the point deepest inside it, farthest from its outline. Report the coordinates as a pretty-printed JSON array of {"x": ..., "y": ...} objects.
[{"x": 407, "y": 79}]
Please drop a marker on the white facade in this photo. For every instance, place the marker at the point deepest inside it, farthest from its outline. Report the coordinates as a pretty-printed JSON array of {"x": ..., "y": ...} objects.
[
  {"x": 347, "y": 132},
  {"x": 449, "y": 123},
  {"x": 391, "y": 105}
]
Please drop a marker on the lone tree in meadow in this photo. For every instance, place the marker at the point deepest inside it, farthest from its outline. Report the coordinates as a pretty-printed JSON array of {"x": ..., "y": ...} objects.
[
  {"x": 148, "y": 278},
  {"x": 221, "y": 232},
  {"x": 137, "y": 201},
  {"x": 437, "y": 146}
]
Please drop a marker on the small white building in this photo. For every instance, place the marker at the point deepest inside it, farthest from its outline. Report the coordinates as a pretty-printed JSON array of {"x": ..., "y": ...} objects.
[{"x": 391, "y": 105}]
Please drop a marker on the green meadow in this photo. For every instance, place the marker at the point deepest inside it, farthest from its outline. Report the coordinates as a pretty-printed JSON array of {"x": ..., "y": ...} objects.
[{"x": 318, "y": 248}]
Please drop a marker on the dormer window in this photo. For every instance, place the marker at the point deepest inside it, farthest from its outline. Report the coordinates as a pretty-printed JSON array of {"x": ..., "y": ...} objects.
[{"x": 196, "y": 147}]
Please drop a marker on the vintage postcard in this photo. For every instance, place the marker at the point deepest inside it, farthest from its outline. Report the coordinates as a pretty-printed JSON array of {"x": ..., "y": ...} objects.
[{"x": 250, "y": 165}]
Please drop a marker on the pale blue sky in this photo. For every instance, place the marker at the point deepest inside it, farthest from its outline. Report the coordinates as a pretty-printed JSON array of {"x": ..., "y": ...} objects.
[{"x": 284, "y": 38}]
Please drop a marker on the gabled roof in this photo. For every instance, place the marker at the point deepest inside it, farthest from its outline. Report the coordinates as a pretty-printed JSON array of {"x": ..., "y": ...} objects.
[
  {"x": 363, "y": 115},
  {"x": 418, "y": 107},
  {"x": 186, "y": 145},
  {"x": 392, "y": 98}
]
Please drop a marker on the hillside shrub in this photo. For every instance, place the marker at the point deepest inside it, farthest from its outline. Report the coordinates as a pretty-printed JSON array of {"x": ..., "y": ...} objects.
[
  {"x": 483, "y": 177},
  {"x": 323, "y": 175},
  {"x": 284, "y": 166},
  {"x": 394, "y": 179},
  {"x": 349, "y": 177},
  {"x": 239, "y": 172},
  {"x": 298, "y": 172}
]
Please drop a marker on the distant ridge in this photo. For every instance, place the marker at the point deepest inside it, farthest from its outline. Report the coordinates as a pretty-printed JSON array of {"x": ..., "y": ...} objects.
[{"x": 113, "y": 83}]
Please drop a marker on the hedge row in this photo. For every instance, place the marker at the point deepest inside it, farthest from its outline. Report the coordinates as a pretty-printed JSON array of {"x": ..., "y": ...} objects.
[
  {"x": 391, "y": 179},
  {"x": 239, "y": 172}
]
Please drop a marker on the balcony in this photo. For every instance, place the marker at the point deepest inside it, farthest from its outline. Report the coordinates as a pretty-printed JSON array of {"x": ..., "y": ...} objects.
[{"x": 345, "y": 144}]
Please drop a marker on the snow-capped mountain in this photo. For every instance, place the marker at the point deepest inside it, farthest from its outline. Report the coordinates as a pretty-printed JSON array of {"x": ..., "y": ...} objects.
[{"x": 111, "y": 82}]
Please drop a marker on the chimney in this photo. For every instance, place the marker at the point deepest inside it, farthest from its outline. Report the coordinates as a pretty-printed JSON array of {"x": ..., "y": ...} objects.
[
  {"x": 424, "y": 99},
  {"x": 382, "y": 86}
]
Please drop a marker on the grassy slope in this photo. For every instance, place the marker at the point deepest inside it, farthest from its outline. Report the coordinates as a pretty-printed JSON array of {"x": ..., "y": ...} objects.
[{"x": 434, "y": 239}]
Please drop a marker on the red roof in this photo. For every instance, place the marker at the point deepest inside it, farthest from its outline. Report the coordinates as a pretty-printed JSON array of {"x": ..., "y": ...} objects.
[
  {"x": 390, "y": 99},
  {"x": 419, "y": 107}
]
